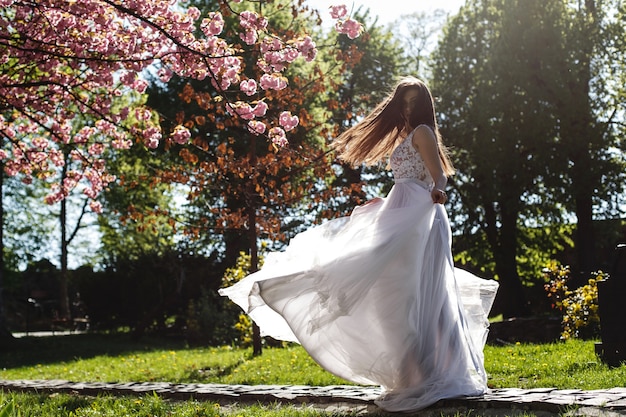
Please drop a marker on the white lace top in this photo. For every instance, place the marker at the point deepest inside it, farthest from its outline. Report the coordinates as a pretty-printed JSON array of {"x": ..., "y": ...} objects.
[{"x": 407, "y": 163}]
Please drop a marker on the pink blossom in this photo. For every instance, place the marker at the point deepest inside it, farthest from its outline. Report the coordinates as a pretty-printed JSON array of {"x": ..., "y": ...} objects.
[
  {"x": 273, "y": 82},
  {"x": 181, "y": 135},
  {"x": 121, "y": 143},
  {"x": 256, "y": 127},
  {"x": 241, "y": 109},
  {"x": 10, "y": 132},
  {"x": 307, "y": 48},
  {"x": 193, "y": 13},
  {"x": 288, "y": 121},
  {"x": 291, "y": 54},
  {"x": 75, "y": 175},
  {"x": 95, "y": 206},
  {"x": 276, "y": 60},
  {"x": 251, "y": 20},
  {"x": 339, "y": 11},
  {"x": 248, "y": 87},
  {"x": 90, "y": 192},
  {"x": 69, "y": 183},
  {"x": 96, "y": 149},
  {"x": 84, "y": 134},
  {"x": 56, "y": 157},
  {"x": 164, "y": 74},
  {"x": 54, "y": 197},
  {"x": 249, "y": 37},
  {"x": 140, "y": 85},
  {"x": 271, "y": 44},
  {"x": 103, "y": 125},
  {"x": 40, "y": 143},
  {"x": 12, "y": 168},
  {"x": 260, "y": 109},
  {"x": 143, "y": 114},
  {"x": 213, "y": 24},
  {"x": 350, "y": 27},
  {"x": 128, "y": 78},
  {"x": 3, "y": 154},
  {"x": 124, "y": 112},
  {"x": 278, "y": 137},
  {"x": 76, "y": 155},
  {"x": 152, "y": 137}
]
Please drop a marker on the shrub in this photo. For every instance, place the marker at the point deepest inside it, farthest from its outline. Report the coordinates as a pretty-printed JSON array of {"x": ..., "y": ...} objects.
[
  {"x": 579, "y": 307},
  {"x": 232, "y": 276}
]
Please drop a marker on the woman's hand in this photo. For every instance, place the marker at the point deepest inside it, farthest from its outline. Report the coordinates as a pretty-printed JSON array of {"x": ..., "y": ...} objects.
[{"x": 439, "y": 196}]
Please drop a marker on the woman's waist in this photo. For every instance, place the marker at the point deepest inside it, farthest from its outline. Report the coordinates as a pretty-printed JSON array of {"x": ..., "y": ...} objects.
[{"x": 425, "y": 184}]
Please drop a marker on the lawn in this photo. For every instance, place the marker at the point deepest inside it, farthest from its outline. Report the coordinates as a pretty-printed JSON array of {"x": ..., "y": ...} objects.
[{"x": 116, "y": 358}]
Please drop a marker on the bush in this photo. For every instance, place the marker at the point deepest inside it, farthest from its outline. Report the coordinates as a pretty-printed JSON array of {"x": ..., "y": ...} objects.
[
  {"x": 231, "y": 277},
  {"x": 579, "y": 307}
]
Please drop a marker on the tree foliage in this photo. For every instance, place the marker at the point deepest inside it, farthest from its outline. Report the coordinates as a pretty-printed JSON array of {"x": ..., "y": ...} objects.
[
  {"x": 229, "y": 174},
  {"x": 65, "y": 63},
  {"x": 516, "y": 106},
  {"x": 63, "y": 59}
]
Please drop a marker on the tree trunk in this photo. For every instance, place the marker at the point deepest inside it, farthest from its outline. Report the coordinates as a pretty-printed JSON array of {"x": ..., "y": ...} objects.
[
  {"x": 257, "y": 346},
  {"x": 511, "y": 299},
  {"x": 64, "y": 302},
  {"x": 4, "y": 330},
  {"x": 584, "y": 180},
  {"x": 585, "y": 237}
]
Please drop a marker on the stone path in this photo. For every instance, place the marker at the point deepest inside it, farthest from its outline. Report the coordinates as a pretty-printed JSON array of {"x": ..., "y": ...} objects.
[{"x": 355, "y": 399}]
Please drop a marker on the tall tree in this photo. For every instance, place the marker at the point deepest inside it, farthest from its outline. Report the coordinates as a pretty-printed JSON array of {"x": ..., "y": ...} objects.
[
  {"x": 587, "y": 116},
  {"x": 61, "y": 59},
  {"x": 68, "y": 234},
  {"x": 505, "y": 71},
  {"x": 240, "y": 187}
]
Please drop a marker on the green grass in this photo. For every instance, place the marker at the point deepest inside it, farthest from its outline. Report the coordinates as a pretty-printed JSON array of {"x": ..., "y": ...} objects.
[
  {"x": 116, "y": 358},
  {"x": 14, "y": 405},
  {"x": 100, "y": 358},
  {"x": 572, "y": 364},
  {"x": 147, "y": 406}
]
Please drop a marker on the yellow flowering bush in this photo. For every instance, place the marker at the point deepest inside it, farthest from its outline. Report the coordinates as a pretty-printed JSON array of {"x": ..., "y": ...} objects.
[
  {"x": 244, "y": 327},
  {"x": 579, "y": 306},
  {"x": 232, "y": 276}
]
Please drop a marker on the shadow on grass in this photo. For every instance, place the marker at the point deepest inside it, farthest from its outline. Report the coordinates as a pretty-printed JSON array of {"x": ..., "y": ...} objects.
[
  {"x": 30, "y": 351},
  {"x": 210, "y": 374}
]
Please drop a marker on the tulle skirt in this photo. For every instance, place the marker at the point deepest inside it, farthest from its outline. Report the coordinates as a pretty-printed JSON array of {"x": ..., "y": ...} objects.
[{"x": 375, "y": 299}]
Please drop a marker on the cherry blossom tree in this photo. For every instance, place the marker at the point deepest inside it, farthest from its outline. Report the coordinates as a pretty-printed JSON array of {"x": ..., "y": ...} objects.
[
  {"x": 61, "y": 59},
  {"x": 64, "y": 59}
]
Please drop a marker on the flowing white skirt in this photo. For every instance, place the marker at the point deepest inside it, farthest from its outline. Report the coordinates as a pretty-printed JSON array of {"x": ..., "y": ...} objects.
[{"x": 374, "y": 298}]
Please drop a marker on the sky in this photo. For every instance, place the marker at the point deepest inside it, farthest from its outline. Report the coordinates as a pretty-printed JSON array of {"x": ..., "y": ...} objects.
[{"x": 390, "y": 10}]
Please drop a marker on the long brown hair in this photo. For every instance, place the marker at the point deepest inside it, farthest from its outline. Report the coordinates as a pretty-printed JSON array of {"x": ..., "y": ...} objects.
[{"x": 373, "y": 139}]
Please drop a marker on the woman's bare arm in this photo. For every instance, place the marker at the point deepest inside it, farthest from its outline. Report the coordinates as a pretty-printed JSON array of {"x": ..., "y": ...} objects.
[{"x": 425, "y": 142}]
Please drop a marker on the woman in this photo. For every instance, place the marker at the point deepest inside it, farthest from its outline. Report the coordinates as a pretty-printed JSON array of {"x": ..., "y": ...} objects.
[{"x": 374, "y": 298}]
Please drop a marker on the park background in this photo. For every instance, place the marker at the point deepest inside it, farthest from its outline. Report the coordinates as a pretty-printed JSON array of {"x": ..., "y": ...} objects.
[{"x": 530, "y": 97}]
